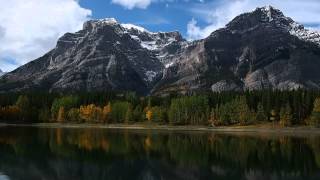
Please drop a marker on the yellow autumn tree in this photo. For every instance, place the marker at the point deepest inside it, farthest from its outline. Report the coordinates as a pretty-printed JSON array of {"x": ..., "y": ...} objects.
[
  {"x": 61, "y": 115},
  {"x": 97, "y": 114},
  {"x": 315, "y": 116},
  {"x": 85, "y": 112},
  {"x": 149, "y": 115},
  {"x": 91, "y": 113},
  {"x": 147, "y": 143},
  {"x": 106, "y": 112},
  {"x": 10, "y": 112}
]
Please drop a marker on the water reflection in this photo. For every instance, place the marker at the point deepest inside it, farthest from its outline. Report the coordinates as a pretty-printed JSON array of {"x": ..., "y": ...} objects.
[
  {"x": 31, "y": 153},
  {"x": 3, "y": 177}
]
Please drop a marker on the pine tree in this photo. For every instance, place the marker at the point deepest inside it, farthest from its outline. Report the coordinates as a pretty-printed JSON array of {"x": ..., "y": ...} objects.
[
  {"x": 260, "y": 115},
  {"x": 213, "y": 119},
  {"x": 118, "y": 112},
  {"x": 285, "y": 116},
  {"x": 24, "y": 106},
  {"x": 274, "y": 116},
  {"x": 129, "y": 115},
  {"x": 244, "y": 113},
  {"x": 138, "y": 114}
]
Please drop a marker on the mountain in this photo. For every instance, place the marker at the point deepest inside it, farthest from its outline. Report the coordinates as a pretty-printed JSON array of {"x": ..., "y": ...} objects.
[
  {"x": 104, "y": 55},
  {"x": 256, "y": 50},
  {"x": 262, "y": 49},
  {"x": 1, "y": 73}
]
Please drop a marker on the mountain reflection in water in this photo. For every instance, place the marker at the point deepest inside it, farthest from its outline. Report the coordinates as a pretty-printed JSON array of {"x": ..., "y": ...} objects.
[{"x": 65, "y": 154}]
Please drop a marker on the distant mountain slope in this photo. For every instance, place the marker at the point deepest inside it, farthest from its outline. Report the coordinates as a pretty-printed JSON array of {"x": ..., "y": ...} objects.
[{"x": 257, "y": 50}]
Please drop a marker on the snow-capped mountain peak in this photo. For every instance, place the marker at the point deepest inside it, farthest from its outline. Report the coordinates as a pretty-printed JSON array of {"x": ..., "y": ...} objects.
[
  {"x": 272, "y": 18},
  {"x": 299, "y": 31},
  {"x": 132, "y": 26},
  {"x": 294, "y": 28},
  {"x": 268, "y": 10},
  {"x": 256, "y": 50},
  {"x": 151, "y": 40}
]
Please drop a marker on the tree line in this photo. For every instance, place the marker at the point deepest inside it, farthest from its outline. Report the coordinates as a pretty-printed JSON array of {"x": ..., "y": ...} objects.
[{"x": 283, "y": 108}]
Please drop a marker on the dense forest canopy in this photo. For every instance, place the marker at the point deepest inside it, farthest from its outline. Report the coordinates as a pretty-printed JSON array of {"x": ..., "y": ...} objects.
[{"x": 284, "y": 108}]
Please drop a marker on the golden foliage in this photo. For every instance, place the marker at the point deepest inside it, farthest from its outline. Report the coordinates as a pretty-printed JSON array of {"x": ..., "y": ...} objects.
[
  {"x": 61, "y": 115},
  {"x": 106, "y": 112},
  {"x": 316, "y": 107},
  {"x": 147, "y": 143},
  {"x": 92, "y": 113},
  {"x": 149, "y": 115},
  {"x": 10, "y": 110}
]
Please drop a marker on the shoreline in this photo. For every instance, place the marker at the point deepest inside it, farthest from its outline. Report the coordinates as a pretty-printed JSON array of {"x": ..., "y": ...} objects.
[{"x": 228, "y": 129}]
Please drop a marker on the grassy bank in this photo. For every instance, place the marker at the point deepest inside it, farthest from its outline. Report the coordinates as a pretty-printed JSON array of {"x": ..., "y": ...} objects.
[{"x": 261, "y": 128}]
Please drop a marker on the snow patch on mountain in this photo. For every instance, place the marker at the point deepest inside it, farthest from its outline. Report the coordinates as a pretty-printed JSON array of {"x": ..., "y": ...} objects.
[
  {"x": 148, "y": 40},
  {"x": 150, "y": 75},
  {"x": 132, "y": 26},
  {"x": 108, "y": 21},
  {"x": 273, "y": 15},
  {"x": 150, "y": 45},
  {"x": 267, "y": 10},
  {"x": 304, "y": 34},
  {"x": 169, "y": 64}
]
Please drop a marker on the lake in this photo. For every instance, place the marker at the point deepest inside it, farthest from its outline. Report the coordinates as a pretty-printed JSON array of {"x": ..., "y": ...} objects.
[{"x": 67, "y": 154}]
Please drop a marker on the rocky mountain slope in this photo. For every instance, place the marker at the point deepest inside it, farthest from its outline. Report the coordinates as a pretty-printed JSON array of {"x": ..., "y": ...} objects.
[
  {"x": 257, "y": 50},
  {"x": 105, "y": 55}
]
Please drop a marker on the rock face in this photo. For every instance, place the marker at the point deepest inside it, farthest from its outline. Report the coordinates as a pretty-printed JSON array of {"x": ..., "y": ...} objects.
[
  {"x": 105, "y": 55},
  {"x": 257, "y": 50}
]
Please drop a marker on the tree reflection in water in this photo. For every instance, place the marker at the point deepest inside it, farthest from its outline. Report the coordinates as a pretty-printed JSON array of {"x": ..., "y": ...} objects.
[{"x": 38, "y": 153}]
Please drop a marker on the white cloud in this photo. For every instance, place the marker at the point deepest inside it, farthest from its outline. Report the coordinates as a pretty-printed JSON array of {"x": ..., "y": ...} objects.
[
  {"x": 28, "y": 29},
  {"x": 218, "y": 13},
  {"x": 130, "y": 4},
  {"x": 195, "y": 32},
  {"x": 143, "y": 4}
]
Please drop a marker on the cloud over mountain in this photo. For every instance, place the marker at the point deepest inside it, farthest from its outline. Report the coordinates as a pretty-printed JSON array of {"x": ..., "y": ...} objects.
[
  {"x": 217, "y": 13},
  {"x": 130, "y": 4},
  {"x": 30, "y": 28}
]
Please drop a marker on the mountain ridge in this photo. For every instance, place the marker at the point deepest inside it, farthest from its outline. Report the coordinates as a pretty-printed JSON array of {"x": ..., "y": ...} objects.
[{"x": 249, "y": 53}]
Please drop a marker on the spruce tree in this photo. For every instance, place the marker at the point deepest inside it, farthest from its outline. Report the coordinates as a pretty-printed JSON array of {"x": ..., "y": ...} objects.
[
  {"x": 260, "y": 115},
  {"x": 212, "y": 118},
  {"x": 244, "y": 112},
  {"x": 138, "y": 114},
  {"x": 24, "y": 106},
  {"x": 285, "y": 116},
  {"x": 129, "y": 114}
]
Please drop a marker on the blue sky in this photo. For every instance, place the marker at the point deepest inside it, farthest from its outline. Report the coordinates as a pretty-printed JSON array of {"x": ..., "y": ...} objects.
[
  {"x": 29, "y": 29},
  {"x": 158, "y": 16},
  {"x": 170, "y": 15}
]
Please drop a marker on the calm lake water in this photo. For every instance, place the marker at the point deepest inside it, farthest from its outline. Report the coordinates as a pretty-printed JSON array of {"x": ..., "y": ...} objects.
[{"x": 67, "y": 154}]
